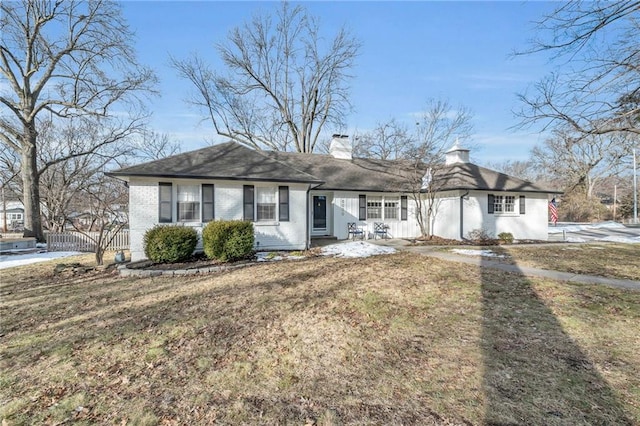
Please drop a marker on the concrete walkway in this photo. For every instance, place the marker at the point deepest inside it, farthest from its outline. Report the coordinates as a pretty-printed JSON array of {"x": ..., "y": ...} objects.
[{"x": 435, "y": 251}]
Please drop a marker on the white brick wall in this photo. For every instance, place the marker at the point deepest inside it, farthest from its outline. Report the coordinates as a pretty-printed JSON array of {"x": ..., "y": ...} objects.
[{"x": 228, "y": 205}]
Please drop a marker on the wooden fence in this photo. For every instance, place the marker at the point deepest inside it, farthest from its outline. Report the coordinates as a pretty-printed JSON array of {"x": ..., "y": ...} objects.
[{"x": 77, "y": 241}]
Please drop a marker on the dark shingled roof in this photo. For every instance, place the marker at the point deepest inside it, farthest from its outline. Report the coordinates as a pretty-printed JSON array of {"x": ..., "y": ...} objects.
[
  {"x": 470, "y": 176},
  {"x": 236, "y": 162},
  {"x": 224, "y": 161}
]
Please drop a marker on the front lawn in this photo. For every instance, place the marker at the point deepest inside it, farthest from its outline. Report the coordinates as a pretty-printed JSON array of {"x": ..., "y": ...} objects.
[
  {"x": 620, "y": 261},
  {"x": 398, "y": 339}
]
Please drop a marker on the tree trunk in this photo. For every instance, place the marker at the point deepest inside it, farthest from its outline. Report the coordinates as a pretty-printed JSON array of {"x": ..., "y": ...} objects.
[{"x": 31, "y": 186}]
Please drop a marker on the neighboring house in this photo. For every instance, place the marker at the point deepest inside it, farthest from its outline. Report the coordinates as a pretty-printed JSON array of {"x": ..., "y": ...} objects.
[
  {"x": 293, "y": 197},
  {"x": 12, "y": 216}
]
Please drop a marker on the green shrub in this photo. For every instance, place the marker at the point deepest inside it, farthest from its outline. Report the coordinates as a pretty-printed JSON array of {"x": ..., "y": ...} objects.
[
  {"x": 170, "y": 243},
  {"x": 505, "y": 237},
  {"x": 228, "y": 240}
]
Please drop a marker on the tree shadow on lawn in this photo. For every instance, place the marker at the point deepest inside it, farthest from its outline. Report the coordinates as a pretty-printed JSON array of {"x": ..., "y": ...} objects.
[
  {"x": 195, "y": 333},
  {"x": 534, "y": 372}
]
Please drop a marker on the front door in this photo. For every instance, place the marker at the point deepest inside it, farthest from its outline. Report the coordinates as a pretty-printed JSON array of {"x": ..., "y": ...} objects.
[{"x": 319, "y": 213}]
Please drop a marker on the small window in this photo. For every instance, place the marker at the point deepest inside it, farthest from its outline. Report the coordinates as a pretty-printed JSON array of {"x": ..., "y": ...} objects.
[
  {"x": 188, "y": 203},
  {"x": 266, "y": 204},
  {"x": 374, "y": 207},
  {"x": 164, "y": 213}
]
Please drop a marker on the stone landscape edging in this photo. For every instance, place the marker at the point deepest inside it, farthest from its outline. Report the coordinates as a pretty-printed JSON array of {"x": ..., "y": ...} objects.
[{"x": 125, "y": 271}]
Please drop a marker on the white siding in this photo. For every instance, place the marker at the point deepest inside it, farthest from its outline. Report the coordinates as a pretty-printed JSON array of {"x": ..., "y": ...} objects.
[
  {"x": 228, "y": 205},
  {"x": 345, "y": 207},
  {"x": 531, "y": 225}
]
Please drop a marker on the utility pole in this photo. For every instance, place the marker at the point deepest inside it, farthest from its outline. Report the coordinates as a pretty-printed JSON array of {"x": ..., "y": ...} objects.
[
  {"x": 635, "y": 189},
  {"x": 615, "y": 200}
]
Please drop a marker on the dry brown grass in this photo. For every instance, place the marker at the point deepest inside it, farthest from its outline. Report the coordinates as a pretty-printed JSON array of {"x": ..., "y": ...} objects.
[
  {"x": 400, "y": 339},
  {"x": 620, "y": 261}
]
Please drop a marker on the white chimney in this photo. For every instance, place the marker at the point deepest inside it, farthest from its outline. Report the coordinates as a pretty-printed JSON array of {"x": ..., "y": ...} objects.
[
  {"x": 456, "y": 154},
  {"x": 340, "y": 147}
]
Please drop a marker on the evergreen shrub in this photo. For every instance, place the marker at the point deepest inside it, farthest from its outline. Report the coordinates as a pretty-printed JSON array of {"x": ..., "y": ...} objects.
[
  {"x": 170, "y": 243},
  {"x": 228, "y": 240}
]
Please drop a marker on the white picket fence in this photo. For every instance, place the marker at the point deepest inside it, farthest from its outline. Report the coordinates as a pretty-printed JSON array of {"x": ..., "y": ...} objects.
[{"x": 77, "y": 241}]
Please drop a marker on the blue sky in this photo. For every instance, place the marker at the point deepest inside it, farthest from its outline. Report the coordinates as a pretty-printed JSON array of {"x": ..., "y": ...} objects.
[{"x": 411, "y": 52}]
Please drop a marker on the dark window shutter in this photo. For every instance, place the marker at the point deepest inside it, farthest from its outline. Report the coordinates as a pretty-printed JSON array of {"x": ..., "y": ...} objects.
[
  {"x": 522, "y": 204},
  {"x": 403, "y": 207},
  {"x": 491, "y": 201},
  {"x": 283, "y": 200},
  {"x": 362, "y": 211},
  {"x": 164, "y": 202},
  {"x": 207, "y": 202},
  {"x": 248, "y": 202}
]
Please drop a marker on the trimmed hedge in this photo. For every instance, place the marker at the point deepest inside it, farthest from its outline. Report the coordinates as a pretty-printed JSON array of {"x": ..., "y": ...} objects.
[
  {"x": 170, "y": 243},
  {"x": 228, "y": 240}
]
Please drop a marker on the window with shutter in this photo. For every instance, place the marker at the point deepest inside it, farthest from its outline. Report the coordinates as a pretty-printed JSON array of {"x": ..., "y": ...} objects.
[
  {"x": 490, "y": 203},
  {"x": 522, "y": 204}
]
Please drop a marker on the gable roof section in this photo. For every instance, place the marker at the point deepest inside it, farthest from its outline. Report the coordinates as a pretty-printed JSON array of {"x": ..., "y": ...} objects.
[
  {"x": 229, "y": 161},
  {"x": 232, "y": 161},
  {"x": 470, "y": 176},
  {"x": 358, "y": 174}
]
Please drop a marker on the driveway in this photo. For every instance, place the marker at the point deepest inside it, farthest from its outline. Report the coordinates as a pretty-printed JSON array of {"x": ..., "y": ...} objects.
[{"x": 604, "y": 231}]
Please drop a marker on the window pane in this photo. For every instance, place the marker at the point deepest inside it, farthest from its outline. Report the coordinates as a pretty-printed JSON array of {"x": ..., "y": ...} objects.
[
  {"x": 188, "y": 193},
  {"x": 188, "y": 203},
  {"x": 509, "y": 203},
  {"x": 391, "y": 208},
  {"x": 266, "y": 203},
  {"x": 374, "y": 207},
  {"x": 498, "y": 203},
  {"x": 188, "y": 212}
]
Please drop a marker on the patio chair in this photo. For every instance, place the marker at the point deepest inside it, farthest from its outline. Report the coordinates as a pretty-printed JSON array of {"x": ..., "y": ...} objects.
[
  {"x": 354, "y": 231},
  {"x": 380, "y": 230}
]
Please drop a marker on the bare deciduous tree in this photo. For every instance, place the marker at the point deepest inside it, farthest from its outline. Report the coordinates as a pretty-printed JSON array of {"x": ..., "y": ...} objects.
[
  {"x": 285, "y": 83},
  {"x": 105, "y": 201},
  {"x": 387, "y": 141},
  {"x": 62, "y": 59},
  {"x": 155, "y": 146},
  {"x": 598, "y": 89},
  {"x": 421, "y": 154},
  {"x": 579, "y": 161}
]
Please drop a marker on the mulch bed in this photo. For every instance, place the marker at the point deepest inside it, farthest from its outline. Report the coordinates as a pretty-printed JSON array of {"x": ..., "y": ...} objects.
[
  {"x": 438, "y": 241},
  {"x": 198, "y": 260}
]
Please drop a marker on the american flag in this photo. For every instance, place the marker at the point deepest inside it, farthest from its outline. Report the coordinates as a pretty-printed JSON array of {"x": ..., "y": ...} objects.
[{"x": 553, "y": 210}]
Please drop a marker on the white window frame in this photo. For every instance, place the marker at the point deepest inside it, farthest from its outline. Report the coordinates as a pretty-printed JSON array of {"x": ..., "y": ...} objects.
[
  {"x": 194, "y": 198},
  {"x": 379, "y": 205},
  {"x": 261, "y": 208},
  {"x": 375, "y": 208},
  {"x": 506, "y": 204}
]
